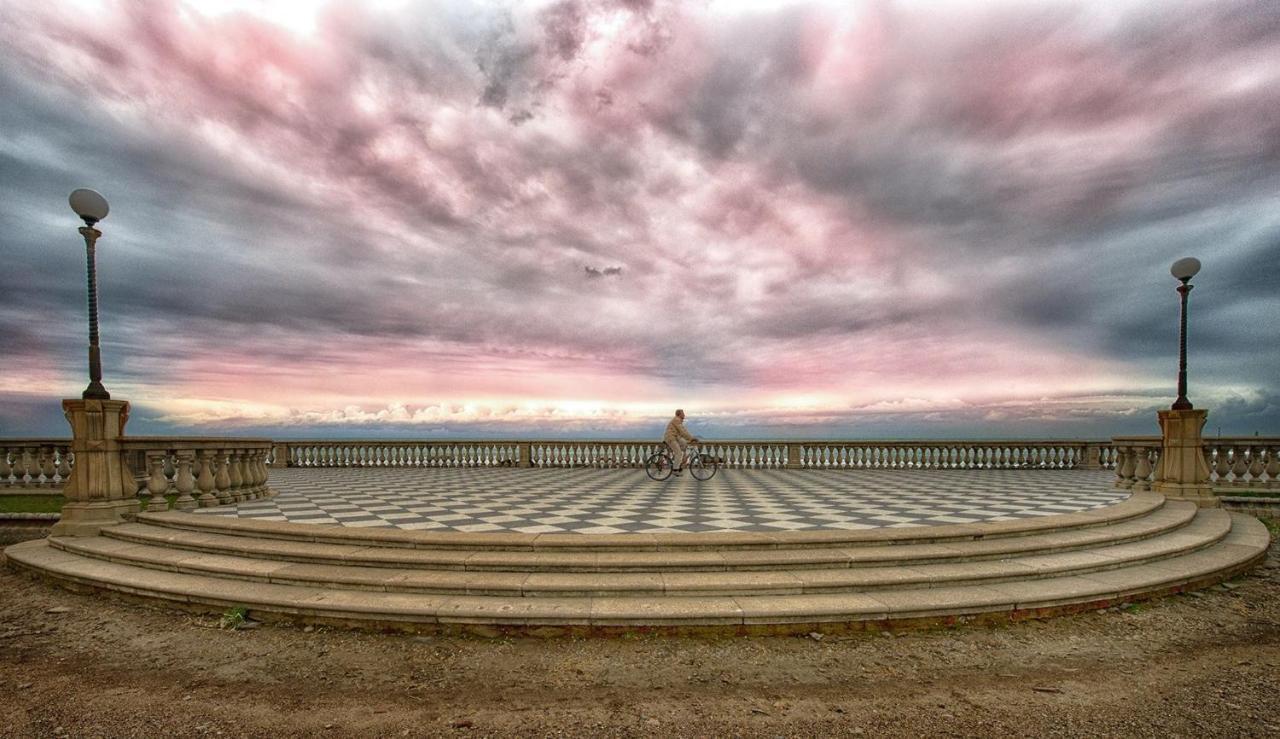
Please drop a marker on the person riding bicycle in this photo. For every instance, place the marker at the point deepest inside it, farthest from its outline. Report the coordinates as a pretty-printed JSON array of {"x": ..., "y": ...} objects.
[{"x": 677, "y": 438}]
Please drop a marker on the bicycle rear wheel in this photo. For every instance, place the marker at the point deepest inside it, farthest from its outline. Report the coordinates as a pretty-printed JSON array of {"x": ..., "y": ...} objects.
[
  {"x": 658, "y": 466},
  {"x": 701, "y": 469}
]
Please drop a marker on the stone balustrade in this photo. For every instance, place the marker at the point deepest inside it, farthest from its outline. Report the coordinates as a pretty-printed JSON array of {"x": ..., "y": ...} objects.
[
  {"x": 949, "y": 455},
  {"x": 1243, "y": 462},
  {"x": 35, "y": 463},
  {"x": 1137, "y": 459},
  {"x": 198, "y": 472},
  {"x": 356, "y": 453},
  {"x": 1235, "y": 463},
  {"x": 763, "y": 454}
]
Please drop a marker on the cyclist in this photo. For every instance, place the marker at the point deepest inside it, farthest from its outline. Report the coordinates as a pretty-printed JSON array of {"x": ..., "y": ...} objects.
[{"x": 677, "y": 438}]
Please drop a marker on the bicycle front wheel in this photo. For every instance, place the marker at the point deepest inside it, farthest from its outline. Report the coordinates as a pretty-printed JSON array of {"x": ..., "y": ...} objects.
[
  {"x": 701, "y": 469},
  {"x": 658, "y": 466}
]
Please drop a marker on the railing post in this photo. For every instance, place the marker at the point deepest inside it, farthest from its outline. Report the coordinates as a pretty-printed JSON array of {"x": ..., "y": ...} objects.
[
  {"x": 1183, "y": 473},
  {"x": 1092, "y": 457},
  {"x": 101, "y": 490},
  {"x": 795, "y": 454},
  {"x": 526, "y": 457},
  {"x": 280, "y": 455}
]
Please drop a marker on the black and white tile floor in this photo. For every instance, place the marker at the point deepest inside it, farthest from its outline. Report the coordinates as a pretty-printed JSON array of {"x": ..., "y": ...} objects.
[{"x": 606, "y": 501}]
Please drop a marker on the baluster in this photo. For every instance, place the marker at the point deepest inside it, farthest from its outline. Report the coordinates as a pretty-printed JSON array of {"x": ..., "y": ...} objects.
[
  {"x": 251, "y": 477},
  {"x": 27, "y": 471},
  {"x": 260, "y": 474},
  {"x": 157, "y": 483},
  {"x": 242, "y": 474},
  {"x": 237, "y": 486},
  {"x": 222, "y": 478},
  {"x": 1124, "y": 466},
  {"x": 6, "y": 469},
  {"x": 64, "y": 464},
  {"x": 1222, "y": 465},
  {"x": 184, "y": 482},
  {"x": 47, "y": 467},
  {"x": 1238, "y": 467},
  {"x": 1273, "y": 466},
  {"x": 1142, "y": 469},
  {"x": 1255, "y": 466},
  {"x": 244, "y": 467},
  {"x": 204, "y": 480},
  {"x": 242, "y": 464}
]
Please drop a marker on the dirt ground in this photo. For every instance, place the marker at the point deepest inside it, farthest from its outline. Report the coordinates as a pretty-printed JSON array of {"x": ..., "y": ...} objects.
[{"x": 1205, "y": 664}]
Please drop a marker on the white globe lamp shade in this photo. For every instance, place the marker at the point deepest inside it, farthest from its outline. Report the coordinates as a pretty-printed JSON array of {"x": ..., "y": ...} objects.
[
  {"x": 89, "y": 205},
  {"x": 1185, "y": 268}
]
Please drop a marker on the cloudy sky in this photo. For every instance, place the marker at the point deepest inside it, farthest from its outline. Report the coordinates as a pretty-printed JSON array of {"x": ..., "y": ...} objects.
[{"x": 890, "y": 218}]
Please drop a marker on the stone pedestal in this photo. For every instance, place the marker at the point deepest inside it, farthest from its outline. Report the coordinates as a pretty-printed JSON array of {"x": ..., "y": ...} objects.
[
  {"x": 101, "y": 491},
  {"x": 1183, "y": 473}
]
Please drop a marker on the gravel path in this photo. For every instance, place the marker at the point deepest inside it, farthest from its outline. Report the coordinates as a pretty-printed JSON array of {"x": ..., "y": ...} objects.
[{"x": 1203, "y": 664}]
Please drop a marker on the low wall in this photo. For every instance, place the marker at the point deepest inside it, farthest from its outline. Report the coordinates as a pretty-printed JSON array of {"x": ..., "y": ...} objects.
[
  {"x": 16, "y": 527},
  {"x": 1268, "y": 507}
]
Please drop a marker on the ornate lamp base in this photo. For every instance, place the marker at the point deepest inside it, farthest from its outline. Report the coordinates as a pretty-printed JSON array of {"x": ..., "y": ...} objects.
[
  {"x": 101, "y": 491},
  {"x": 1183, "y": 472}
]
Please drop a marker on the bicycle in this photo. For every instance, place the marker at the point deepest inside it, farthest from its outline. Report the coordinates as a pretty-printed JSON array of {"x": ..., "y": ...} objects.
[{"x": 702, "y": 466}]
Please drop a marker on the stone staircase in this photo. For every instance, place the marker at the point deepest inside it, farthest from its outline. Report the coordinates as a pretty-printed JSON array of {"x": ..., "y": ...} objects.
[{"x": 741, "y": 581}]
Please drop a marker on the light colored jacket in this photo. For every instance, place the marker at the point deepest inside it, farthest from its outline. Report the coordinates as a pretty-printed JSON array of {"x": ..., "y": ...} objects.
[{"x": 675, "y": 431}]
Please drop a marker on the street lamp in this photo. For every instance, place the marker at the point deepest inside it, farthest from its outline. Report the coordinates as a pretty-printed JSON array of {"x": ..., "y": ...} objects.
[
  {"x": 92, "y": 207},
  {"x": 1183, "y": 269}
]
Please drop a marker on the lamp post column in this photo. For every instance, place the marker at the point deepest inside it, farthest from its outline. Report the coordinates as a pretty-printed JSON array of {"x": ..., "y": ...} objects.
[
  {"x": 1182, "y": 471},
  {"x": 95, "y": 390},
  {"x": 101, "y": 490},
  {"x": 1182, "y": 404}
]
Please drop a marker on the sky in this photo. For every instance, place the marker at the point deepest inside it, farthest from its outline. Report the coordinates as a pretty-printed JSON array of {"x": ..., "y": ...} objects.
[{"x": 884, "y": 219}]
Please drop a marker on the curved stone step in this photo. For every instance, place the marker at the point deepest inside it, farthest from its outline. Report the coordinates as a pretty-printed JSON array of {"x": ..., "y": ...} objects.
[
  {"x": 1138, "y": 504},
  {"x": 1244, "y": 545},
  {"x": 1208, "y": 527},
  {"x": 1160, "y": 521}
]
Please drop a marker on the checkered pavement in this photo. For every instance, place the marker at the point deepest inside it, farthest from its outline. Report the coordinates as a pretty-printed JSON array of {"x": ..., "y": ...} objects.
[{"x": 607, "y": 501}]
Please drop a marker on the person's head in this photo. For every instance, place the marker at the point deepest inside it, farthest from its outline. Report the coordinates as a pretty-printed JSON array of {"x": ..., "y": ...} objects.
[{"x": 680, "y": 413}]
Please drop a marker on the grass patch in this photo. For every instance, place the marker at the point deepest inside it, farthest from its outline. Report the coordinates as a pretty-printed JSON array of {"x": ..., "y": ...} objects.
[
  {"x": 1272, "y": 524},
  {"x": 1249, "y": 494},
  {"x": 31, "y": 503},
  {"x": 234, "y": 618}
]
